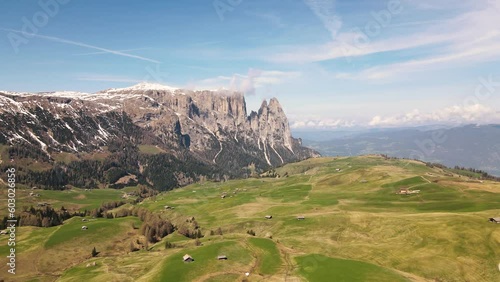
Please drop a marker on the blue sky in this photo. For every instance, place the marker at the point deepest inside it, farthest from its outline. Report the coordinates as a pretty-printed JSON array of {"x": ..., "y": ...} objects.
[{"x": 332, "y": 64}]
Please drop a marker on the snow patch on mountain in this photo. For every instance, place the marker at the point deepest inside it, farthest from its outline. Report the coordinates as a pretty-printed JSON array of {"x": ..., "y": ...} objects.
[{"x": 142, "y": 86}]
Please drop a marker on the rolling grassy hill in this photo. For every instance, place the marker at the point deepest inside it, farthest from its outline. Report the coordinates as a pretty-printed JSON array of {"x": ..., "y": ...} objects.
[{"x": 356, "y": 228}]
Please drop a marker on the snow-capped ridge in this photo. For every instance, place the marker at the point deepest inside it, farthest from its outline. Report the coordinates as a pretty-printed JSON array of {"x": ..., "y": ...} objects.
[
  {"x": 142, "y": 86},
  {"x": 63, "y": 94}
]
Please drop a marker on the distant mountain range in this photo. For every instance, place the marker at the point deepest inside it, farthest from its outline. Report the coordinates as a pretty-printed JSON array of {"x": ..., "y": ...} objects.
[
  {"x": 465, "y": 146},
  {"x": 160, "y": 135}
]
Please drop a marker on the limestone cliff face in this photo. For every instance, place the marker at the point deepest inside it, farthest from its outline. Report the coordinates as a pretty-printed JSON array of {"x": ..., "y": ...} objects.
[
  {"x": 213, "y": 126},
  {"x": 216, "y": 122}
]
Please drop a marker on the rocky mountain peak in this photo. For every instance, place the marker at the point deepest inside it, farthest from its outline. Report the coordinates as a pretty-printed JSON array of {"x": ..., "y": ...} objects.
[
  {"x": 212, "y": 127},
  {"x": 274, "y": 104}
]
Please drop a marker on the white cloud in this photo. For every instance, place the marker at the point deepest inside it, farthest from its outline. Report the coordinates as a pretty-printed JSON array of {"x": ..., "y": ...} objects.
[
  {"x": 247, "y": 83},
  {"x": 321, "y": 123},
  {"x": 476, "y": 113}
]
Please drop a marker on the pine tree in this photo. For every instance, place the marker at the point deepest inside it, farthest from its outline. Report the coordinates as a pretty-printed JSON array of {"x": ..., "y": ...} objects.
[
  {"x": 198, "y": 234},
  {"x": 169, "y": 245}
]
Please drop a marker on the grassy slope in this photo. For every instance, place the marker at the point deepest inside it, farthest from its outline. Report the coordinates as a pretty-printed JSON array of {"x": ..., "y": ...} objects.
[
  {"x": 205, "y": 262},
  {"x": 150, "y": 149},
  {"x": 74, "y": 199},
  {"x": 270, "y": 256},
  {"x": 320, "y": 268},
  {"x": 441, "y": 233},
  {"x": 44, "y": 253},
  {"x": 353, "y": 218},
  {"x": 79, "y": 198}
]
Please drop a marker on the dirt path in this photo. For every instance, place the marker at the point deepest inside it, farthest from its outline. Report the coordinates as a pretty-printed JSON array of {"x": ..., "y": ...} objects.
[
  {"x": 254, "y": 255},
  {"x": 425, "y": 179},
  {"x": 289, "y": 265}
]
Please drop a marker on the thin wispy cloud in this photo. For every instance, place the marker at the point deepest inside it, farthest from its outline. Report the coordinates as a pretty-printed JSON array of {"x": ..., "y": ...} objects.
[
  {"x": 470, "y": 37},
  {"x": 418, "y": 23},
  {"x": 81, "y": 44},
  {"x": 445, "y": 61},
  {"x": 102, "y": 52},
  {"x": 106, "y": 78},
  {"x": 325, "y": 11},
  {"x": 443, "y": 4},
  {"x": 463, "y": 28}
]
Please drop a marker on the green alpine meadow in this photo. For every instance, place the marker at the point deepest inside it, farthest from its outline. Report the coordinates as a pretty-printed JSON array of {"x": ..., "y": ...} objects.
[{"x": 322, "y": 219}]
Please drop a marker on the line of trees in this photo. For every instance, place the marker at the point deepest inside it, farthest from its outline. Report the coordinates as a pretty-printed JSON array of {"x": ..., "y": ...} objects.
[
  {"x": 161, "y": 171},
  {"x": 47, "y": 216},
  {"x": 153, "y": 227},
  {"x": 483, "y": 174},
  {"x": 42, "y": 217}
]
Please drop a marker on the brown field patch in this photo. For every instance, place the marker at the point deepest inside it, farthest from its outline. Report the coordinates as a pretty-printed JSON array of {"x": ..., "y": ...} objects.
[
  {"x": 80, "y": 197},
  {"x": 387, "y": 168},
  {"x": 251, "y": 209},
  {"x": 493, "y": 187}
]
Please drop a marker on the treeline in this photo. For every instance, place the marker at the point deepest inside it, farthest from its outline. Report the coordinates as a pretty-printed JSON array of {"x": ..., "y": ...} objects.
[
  {"x": 104, "y": 208},
  {"x": 387, "y": 157},
  {"x": 153, "y": 227},
  {"x": 123, "y": 160},
  {"x": 27, "y": 150},
  {"x": 432, "y": 165},
  {"x": 42, "y": 217},
  {"x": 161, "y": 171},
  {"x": 191, "y": 229},
  {"x": 47, "y": 216},
  {"x": 143, "y": 192},
  {"x": 167, "y": 171},
  {"x": 483, "y": 174}
]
